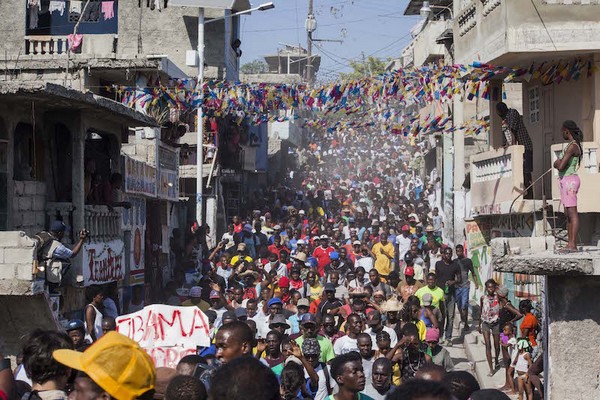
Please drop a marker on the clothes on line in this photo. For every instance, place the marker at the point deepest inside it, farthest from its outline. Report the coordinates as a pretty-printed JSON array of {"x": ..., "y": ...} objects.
[
  {"x": 74, "y": 41},
  {"x": 108, "y": 9},
  {"x": 58, "y": 5}
]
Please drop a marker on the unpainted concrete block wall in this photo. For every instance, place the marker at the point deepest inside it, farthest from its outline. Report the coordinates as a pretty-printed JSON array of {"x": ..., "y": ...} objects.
[
  {"x": 16, "y": 258},
  {"x": 574, "y": 337},
  {"x": 29, "y": 203}
]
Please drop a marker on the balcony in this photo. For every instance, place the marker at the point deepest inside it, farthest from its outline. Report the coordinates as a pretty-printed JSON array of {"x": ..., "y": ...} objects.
[
  {"x": 516, "y": 32},
  {"x": 103, "y": 224},
  {"x": 425, "y": 48},
  {"x": 587, "y": 200},
  {"x": 46, "y": 45},
  {"x": 496, "y": 180}
]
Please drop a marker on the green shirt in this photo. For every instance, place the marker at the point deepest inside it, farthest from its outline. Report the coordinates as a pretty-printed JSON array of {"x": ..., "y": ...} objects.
[
  {"x": 361, "y": 396},
  {"x": 327, "y": 353},
  {"x": 437, "y": 294}
]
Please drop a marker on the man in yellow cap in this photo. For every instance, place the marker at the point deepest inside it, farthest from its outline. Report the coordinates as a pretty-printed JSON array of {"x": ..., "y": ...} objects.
[{"x": 115, "y": 367}]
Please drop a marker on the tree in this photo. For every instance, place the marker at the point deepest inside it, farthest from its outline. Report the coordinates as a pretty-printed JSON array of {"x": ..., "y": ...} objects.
[
  {"x": 372, "y": 66},
  {"x": 254, "y": 67}
]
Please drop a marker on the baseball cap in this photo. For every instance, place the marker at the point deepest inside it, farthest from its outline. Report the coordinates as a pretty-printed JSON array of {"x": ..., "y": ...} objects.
[
  {"x": 334, "y": 255},
  {"x": 229, "y": 314},
  {"x": 303, "y": 303},
  {"x": 195, "y": 291},
  {"x": 241, "y": 246},
  {"x": 301, "y": 212},
  {"x": 74, "y": 324},
  {"x": 410, "y": 271},
  {"x": 248, "y": 228},
  {"x": 301, "y": 241},
  {"x": 357, "y": 243},
  {"x": 308, "y": 318},
  {"x": 115, "y": 363},
  {"x": 215, "y": 294},
  {"x": 374, "y": 317},
  {"x": 277, "y": 227},
  {"x": 405, "y": 228},
  {"x": 57, "y": 226},
  {"x": 311, "y": 346},
  {"x": 324, "y": 237},
  {"x": 427, "y": 299},
  {"x": 284, "y": 282},
  {"x": 240, "y": 312},
  {"x": 274, "y": 300},
  {"x": 429, "y": 228},
  {"x": 329, "y": 287}
]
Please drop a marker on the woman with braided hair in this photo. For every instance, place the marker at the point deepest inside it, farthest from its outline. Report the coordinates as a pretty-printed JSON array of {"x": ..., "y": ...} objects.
[{"x": 568, "y": 180}]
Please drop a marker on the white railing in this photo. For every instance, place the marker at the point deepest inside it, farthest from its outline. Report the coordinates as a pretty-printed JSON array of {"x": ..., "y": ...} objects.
[
  {"x": 467, "y": 19},
  {"x": 489, "y": 6},
  {"x": 492, "y": 169},
  {"x": 45, "y": 45},
  {"x": 102, "y": 223}
]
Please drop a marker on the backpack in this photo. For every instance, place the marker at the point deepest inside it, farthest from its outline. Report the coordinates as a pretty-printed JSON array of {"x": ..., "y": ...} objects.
[{"x": 43, "y": 240}]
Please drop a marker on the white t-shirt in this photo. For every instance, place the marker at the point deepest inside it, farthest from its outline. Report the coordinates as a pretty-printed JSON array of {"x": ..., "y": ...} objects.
[
  {"x": 281, "y": 269},
  {"x": 403, "y": 246},
  {"x": 389, "y": 330},
  {"x": 365, "y": 262},
  {"x": 322, "y": 387},
  {"x": 344, "y": 345}
]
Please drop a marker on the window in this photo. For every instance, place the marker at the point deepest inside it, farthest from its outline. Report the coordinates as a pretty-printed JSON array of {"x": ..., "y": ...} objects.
[
  {"x": 534, "y": 104},
  {"x": 58, "y": 17}
]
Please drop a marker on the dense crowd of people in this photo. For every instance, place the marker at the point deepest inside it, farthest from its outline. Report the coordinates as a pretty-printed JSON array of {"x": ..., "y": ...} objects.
[{"x": 337, "y": 285}]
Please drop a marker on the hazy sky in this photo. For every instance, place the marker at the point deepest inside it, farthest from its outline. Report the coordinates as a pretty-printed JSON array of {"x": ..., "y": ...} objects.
[{"x": 376, "y": 27}]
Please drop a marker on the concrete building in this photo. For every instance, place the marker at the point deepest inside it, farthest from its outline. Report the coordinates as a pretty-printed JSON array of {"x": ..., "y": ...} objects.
[
  {"x": 56, "y": 101},
  {"x": 48, "y": 132},
  {"x": 545, "y": 37}
]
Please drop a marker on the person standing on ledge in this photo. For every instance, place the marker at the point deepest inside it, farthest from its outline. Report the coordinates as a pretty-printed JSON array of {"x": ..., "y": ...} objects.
[
  {"x": 515, "y": 132},
  {"x": 568, "y": 180}
]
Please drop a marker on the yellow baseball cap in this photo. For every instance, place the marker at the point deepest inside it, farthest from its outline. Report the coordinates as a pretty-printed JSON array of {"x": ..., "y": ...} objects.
[{"x": 116, "y": 363}]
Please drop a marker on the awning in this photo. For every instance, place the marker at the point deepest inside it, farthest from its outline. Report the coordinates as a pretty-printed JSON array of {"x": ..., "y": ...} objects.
[{"x": 58, "y": 97}]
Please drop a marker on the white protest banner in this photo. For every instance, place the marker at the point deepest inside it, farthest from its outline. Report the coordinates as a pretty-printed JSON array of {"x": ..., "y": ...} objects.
[{"x": 167, "y": 333}]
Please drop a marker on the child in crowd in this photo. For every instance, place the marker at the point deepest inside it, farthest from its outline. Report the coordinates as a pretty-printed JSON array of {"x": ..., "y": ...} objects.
[{"x": 521, "y": 364}]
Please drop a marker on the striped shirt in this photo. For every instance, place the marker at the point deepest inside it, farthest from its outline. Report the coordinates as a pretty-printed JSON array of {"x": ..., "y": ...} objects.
[{"x": 514, "y": 121}]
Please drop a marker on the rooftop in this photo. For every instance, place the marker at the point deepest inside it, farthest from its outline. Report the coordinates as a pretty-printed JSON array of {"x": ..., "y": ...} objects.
[{"x": 57, "y": 96}]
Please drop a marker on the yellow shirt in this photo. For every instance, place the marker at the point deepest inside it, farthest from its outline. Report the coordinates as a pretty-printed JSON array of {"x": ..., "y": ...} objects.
[
  {"x": 315, "y": 292},
  {"x": 383, "y": 264}
]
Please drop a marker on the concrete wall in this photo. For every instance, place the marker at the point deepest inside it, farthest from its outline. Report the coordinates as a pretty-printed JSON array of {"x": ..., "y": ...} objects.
[
  {"x": 142, "y": 31},
  {"x": 573, "y": 337},
  {"x": 16, "y": 257},
  {"x": 29, "y": 206},
  {"x": 501, "y": 29}
]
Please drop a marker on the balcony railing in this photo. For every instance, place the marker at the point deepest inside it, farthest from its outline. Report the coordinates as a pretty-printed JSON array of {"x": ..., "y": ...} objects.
[
  {"x": 496, "y": 180},
  {"x": 102, "y": 223},
  {"x": 589, "y": 175},
  {"x": 45, "y": 45},
  {"x": 467, "y": 19}
]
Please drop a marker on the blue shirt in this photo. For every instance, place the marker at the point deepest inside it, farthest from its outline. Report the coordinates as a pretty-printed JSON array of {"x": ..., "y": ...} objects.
[{"x": 62, "y": 253}]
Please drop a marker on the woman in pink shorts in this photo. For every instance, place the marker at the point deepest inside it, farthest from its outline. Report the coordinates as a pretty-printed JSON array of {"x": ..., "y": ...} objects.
[{"x": 567, "y": 165}]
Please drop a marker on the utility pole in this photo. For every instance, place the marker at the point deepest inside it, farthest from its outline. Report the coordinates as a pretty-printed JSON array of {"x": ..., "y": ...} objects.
[{"x": 310, "y": 28}]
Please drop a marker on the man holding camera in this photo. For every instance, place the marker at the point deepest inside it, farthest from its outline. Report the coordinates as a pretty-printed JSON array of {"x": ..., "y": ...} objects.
[{"x": 55, "y": 255}]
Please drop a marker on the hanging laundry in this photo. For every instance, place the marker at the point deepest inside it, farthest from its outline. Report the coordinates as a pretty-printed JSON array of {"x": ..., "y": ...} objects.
[
  {"x": 108, "y": 9},
  {"x": 75, "y": 7},
  {"x": 57, "y": 5},
  {"x": 34, "y": 13},
  {"x": 74, "y": 41}
]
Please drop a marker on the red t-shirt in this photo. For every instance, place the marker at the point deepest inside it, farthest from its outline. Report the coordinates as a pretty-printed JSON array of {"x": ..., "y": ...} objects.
[
  {"x": 322, "y": 256},
  {"x": 530, "y": 322}
]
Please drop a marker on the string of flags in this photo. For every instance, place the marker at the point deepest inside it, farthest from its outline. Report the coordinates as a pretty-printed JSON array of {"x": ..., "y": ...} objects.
[{"x": 381, "y": 98}]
